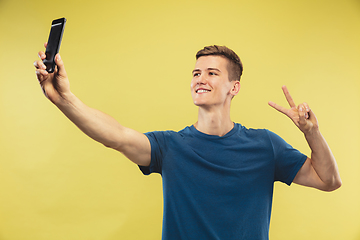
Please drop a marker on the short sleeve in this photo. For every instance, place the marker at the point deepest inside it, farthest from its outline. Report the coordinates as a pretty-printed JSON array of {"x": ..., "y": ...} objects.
[
  {"x": 288, "y": 160},
  {"x": 158, "y": 147}
]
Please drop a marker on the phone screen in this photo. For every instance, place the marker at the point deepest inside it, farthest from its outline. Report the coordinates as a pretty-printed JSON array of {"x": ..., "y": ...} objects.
[{"x": 53, "y": 45}]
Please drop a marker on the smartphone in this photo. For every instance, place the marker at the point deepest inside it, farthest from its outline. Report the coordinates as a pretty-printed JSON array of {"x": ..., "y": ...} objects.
[{"x": 53, "y": 44}]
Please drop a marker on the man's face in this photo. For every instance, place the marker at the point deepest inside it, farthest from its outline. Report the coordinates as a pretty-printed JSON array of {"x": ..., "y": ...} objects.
[{"x": 210, "y": 85}]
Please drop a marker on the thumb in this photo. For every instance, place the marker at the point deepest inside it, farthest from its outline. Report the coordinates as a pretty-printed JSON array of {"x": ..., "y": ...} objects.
[
  {"x": 313, "y": 118},
  {"x": 302, "y": 117},
  {"x": 60, "y": 65}
]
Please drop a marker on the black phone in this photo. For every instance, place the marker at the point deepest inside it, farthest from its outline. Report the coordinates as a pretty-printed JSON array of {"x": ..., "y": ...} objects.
[{"x": 53, "y": 44}]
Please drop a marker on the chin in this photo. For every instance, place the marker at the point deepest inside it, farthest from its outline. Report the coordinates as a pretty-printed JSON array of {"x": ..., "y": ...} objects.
[{"x": 199, "y": 103}]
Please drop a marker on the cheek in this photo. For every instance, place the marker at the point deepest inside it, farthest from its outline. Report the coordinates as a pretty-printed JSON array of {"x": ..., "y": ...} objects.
[{"x": 192, "y": 84}]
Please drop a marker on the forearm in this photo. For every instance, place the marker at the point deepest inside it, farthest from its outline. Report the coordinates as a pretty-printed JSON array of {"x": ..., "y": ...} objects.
[
  {"x": 322, "y": 160},
  {"x": 97, "y": 125},
  {"x": 94, "y": 123}
]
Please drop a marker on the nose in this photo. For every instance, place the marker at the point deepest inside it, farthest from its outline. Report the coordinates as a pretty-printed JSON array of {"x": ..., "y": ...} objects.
[
  {"x": 199, "y": 80},
  {"x": 202, "y": 79}
]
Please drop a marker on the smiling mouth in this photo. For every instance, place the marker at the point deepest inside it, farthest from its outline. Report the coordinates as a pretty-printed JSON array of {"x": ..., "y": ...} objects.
[{"x": 202, "y": 91}]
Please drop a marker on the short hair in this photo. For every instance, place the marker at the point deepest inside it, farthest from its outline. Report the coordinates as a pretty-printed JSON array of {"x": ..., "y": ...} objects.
[{"x": 235, "y": 67}]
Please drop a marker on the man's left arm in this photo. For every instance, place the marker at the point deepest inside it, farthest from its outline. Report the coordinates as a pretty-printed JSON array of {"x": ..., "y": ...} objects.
[{"x": 320, "y": 171}]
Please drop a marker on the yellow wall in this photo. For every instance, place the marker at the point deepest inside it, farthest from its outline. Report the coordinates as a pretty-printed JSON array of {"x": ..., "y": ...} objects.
[{"x": 133, "y": 60}]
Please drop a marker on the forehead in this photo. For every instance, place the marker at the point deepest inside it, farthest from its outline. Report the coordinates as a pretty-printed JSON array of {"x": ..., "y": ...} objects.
[{"x": 206, "y": 62}]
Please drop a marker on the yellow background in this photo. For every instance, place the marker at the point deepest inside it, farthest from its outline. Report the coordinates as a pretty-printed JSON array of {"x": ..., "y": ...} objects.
[{"x": 133, "y": 60}]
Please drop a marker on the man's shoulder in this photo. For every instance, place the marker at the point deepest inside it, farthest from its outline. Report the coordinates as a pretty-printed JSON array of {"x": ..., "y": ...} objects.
[
  {"x": 169, "y": 133},
  {"x": 251, "y": 131}
]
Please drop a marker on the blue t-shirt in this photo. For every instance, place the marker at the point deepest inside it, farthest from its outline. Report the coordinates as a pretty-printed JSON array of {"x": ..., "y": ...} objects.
[{"x": 220, "y": 187}]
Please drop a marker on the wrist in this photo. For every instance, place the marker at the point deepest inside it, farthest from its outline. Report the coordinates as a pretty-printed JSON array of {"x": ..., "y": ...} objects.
[
  {"x": 313, "y": 132},
  {"x": 66, "y": 99},
  {"x": 314, "y": 139}
]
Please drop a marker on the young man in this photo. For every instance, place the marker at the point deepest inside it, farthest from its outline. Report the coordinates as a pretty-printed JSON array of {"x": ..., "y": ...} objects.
[{"x": 217, "y": 175}]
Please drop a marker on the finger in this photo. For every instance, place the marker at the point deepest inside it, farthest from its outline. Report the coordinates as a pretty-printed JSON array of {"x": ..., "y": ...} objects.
[
  {"x": 41, "y": 55},
  {"x": 278, "y": 107},
  {"x": 302, "y": 115},
  {"x": 305, "y": 108},
  {"x": 45, "y": 44},
  {"x": 39, "y": 64},
  {"x": 288, "y": 97},
  {"x": 41, "y": 75},
  {"x": 41, "y": 72}
]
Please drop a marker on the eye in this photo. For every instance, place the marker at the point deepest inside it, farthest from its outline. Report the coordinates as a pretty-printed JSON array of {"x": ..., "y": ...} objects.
[
  {"x": 196, "y": 74},
  {"x": 212, "y": 73}
]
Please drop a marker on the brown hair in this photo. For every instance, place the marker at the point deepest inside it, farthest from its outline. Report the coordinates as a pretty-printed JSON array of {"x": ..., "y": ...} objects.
[{"x": 235, "y": 67}]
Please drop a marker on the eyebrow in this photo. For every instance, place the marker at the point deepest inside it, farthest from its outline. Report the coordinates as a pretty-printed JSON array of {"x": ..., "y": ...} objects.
[{"x": 209, "y": 69}]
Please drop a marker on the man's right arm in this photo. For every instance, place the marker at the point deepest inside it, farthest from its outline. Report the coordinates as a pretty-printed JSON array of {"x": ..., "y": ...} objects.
[{"x": 97, "y": 125}]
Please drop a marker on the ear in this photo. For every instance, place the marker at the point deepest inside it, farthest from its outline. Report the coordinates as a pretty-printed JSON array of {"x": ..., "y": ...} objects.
[{"x": 235, "y": 88}]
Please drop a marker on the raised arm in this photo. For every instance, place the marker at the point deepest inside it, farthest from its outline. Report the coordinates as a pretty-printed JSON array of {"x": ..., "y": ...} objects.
[
  {"x": 320, "y": 171},
  {"x": 97, "y": 125}
]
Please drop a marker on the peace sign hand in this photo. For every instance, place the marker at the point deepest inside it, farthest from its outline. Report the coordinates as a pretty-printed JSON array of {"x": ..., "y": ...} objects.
[{"x": 301, "y": 115}]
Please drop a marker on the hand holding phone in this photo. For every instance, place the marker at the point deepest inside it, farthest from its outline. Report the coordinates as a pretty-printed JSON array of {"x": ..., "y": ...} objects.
[{"x": 53, "y": 44}]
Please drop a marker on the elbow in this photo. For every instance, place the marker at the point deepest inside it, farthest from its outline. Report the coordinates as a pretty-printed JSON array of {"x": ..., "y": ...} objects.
[
  {"x": 332, "y": 187},
  {"x": 338, "y": 184}
]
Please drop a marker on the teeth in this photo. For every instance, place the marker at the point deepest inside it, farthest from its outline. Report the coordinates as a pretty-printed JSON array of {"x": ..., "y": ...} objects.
[{"x": 202, "y": 91}]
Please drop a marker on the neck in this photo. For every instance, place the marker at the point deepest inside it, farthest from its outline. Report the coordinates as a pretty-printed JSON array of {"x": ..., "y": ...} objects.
[{"x": 214, "y": 122}]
